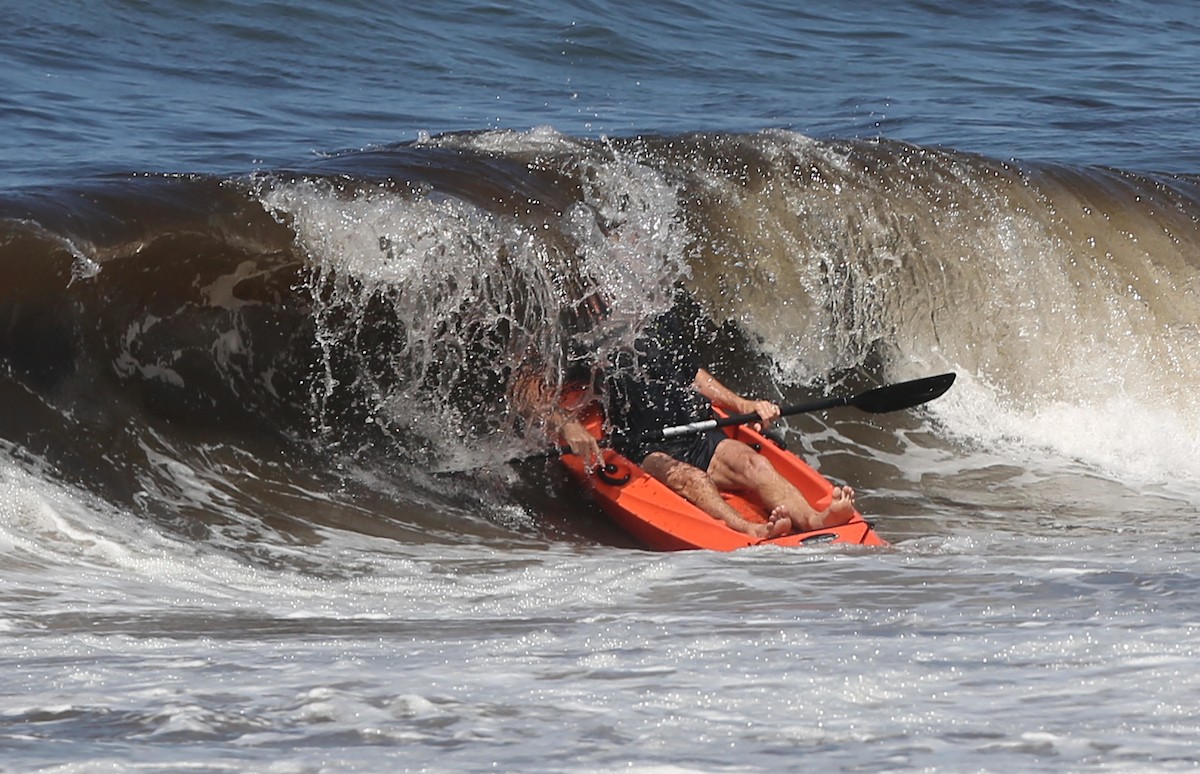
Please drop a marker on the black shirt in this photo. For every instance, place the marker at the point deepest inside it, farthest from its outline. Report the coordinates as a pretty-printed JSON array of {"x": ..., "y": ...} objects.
[{"x": 651, "y": 387}]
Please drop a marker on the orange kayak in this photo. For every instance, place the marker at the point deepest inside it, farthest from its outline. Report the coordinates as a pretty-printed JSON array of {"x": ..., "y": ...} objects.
[{"x": 662, "y": 520}]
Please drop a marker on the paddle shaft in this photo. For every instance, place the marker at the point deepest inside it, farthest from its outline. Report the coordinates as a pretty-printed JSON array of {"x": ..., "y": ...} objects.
[
  {"x": 742, "y": 419},
  {"x": 890, "y": 397}
]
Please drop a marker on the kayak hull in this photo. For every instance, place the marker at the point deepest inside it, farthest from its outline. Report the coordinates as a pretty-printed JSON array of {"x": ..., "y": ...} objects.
[{"x": 661, "y": 520}]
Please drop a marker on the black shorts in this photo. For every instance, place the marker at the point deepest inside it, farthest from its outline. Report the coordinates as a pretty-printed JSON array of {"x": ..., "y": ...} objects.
[{"x": 696, "y": 449}]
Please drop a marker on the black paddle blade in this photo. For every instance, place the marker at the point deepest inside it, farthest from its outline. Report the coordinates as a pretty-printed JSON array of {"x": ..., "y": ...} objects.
[{"x": 896, "y": 397}]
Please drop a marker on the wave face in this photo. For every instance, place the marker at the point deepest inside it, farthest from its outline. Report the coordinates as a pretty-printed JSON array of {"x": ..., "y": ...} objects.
[{"x": 372, "y": 307}]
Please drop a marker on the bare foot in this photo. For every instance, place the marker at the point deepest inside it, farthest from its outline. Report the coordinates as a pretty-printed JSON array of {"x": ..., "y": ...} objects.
[
  {"x": 779, "y": 523},
  {"x": 776, "y": 526},
  {"x": 840, "y": 510}
]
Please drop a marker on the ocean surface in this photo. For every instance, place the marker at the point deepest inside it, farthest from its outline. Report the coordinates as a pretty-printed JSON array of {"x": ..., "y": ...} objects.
[{"x": 267, "y": 271}]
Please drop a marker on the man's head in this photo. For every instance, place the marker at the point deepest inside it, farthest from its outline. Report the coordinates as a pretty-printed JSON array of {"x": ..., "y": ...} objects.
[{"x": 590, "y": 327}]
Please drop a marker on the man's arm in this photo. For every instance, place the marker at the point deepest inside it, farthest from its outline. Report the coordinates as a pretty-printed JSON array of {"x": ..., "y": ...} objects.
[
  {"x": 710, "y": 387},
  {"x": 537, "y": 403}
]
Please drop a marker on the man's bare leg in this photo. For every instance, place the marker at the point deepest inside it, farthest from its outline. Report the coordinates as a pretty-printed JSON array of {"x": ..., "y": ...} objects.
[
  {"x": 736, "y": 467},
  {"x": 697, "y": 488}
]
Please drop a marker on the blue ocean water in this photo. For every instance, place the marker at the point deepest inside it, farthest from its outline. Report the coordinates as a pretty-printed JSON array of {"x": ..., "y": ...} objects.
[
  {"x": 224, "y": 86},
  {"x": 257, "y": 504}
]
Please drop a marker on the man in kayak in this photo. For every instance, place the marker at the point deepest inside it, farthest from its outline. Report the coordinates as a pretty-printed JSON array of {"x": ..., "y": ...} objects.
[{"x": 662, "y": 385}]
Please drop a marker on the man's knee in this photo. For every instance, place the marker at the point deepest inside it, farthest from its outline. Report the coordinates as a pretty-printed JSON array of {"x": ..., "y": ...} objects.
[
  {"x": 678, "y": 476},
  {"x": 741, "y": 462},
  {"x": 687, "y": 479}
]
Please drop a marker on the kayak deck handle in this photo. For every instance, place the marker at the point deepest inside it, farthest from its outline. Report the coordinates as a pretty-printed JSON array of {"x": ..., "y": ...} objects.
[{"x": 608, "y": 474}]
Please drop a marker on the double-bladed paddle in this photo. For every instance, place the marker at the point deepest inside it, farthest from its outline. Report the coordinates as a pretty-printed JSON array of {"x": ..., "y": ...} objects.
[{"x": 881, "y": 400}]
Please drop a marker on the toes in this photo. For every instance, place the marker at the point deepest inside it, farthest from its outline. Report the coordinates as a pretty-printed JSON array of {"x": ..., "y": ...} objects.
[{"x": 779, "y": 528}]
